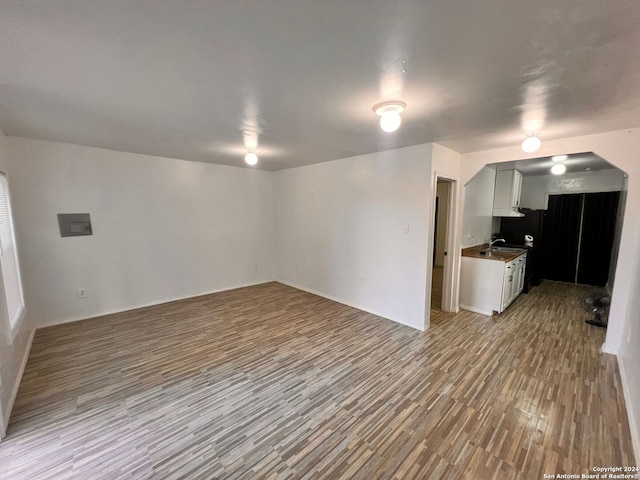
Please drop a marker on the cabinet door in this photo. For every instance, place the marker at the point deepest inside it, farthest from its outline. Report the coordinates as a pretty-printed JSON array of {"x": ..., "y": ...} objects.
[
  {"x": 516, "y": 189},
  {"x": 517, "y": 275},
  {"x": 522, "y": 264},
  {"x": 507, "y": 286},
  {"x": 514, "y": 281},
  {"x": 503, "y": 191},
  {"x": 506, "y": 197},
  {"x": 505, "y": 289}
]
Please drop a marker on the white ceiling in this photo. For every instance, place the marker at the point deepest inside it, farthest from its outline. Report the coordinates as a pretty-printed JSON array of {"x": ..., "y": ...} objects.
[
  {"x": 575, "y": 163},
  {"x": 184, "y": 79}
]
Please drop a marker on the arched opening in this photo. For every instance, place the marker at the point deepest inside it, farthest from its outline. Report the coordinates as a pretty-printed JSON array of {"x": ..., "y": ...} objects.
[{"x": 569, "y": 222}]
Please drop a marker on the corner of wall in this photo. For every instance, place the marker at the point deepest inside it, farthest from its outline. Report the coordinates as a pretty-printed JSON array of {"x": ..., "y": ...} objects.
[
  {"x": 19, "y": 352},
  {"x": 633, "y": 413},
  {"x": 13, "y": 357}
]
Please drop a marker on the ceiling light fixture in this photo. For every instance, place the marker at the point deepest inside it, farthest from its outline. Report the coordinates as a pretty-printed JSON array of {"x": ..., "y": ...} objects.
[
  {"x": 558, "y": 169},
  {"x": 251, "y": 158},
  {"x": 559, "y": 158},
  {"x": 531, "y": 143},
  {"x": 390, "y": 114}
]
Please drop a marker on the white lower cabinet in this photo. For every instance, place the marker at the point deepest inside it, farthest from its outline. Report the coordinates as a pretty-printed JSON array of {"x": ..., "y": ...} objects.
[{"x": 488, "y": 286}]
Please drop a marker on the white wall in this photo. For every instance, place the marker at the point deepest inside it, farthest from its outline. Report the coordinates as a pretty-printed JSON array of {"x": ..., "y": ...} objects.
[
  {"x": 622, "y": 149},
  {"x": 162, "y": 228},
  {"x": 535, "y": 190},
  {"x": 478, "y": 208},
  {"x": 342, "y": 230},
  {"x": 12, "y": 357},
  {"x": 629, "y": 356},
  {"x": 615, "y": 251}
]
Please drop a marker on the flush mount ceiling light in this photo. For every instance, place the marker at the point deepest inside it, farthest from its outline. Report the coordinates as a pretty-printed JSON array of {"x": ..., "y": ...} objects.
[
  {"x": 558, "y": 169},
  {"x": 250, "y": 138},
  {"x": 559, "y": 158},
  {"x": 531, "y": 143},
  {"x": 390, "y": 114},
  {"x": 251, "y": 158}
]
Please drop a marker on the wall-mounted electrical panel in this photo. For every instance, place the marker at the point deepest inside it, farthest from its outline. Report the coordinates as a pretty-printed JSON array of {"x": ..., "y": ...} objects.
[{"x": 74, "y": 224}]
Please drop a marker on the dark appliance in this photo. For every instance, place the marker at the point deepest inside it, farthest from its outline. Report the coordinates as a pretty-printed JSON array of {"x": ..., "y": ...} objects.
[{"x": 514, "y": 229}]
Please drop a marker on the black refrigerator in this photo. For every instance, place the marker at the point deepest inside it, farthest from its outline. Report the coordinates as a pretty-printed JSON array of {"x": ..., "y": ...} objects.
[{"x": 514, "y": 230}]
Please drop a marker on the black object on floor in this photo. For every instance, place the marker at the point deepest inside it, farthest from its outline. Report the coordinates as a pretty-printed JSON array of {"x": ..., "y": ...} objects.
[{"x": 597, "y": 303}]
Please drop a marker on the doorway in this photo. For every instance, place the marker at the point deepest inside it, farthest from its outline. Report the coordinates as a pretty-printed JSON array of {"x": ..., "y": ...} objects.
[{"x": 441, "y": 237}]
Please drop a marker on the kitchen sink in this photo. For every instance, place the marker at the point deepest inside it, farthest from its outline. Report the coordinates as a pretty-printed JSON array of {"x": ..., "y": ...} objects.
[{"x": 507, "y": 249}]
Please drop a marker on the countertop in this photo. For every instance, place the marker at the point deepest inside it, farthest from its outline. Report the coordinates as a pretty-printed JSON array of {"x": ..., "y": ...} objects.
[{"x": 500, "y": 256}]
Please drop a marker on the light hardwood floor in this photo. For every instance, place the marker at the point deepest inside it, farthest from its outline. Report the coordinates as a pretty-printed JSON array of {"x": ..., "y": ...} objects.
[
  {"x": 436, "y": 288},
  {"x": 273, "y": 382}
]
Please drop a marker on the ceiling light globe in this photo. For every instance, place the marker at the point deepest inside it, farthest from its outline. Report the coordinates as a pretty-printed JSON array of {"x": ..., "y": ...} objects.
[
  {"x": 531, "y": 144},
  {"x": 390, "y": 121},
  {"x": 251, "y": 158},
  {"x": 558, "y": 169}
]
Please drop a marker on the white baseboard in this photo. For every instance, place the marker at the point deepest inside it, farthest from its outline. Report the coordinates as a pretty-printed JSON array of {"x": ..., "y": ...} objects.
[
  {"x": 605, "y": 349},
  {"x": 344, "y": 302},
  {"x": 144, "y": 305},
  {"x": 15, "y": 387},
  {"x": 477, "y": 310},
  {"x": 174, "y": 299},
  {"x": 632, "y": 411}
]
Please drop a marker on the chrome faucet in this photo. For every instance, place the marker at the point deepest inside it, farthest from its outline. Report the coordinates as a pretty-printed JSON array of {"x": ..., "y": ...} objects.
[{"x": 492, "y": 242}]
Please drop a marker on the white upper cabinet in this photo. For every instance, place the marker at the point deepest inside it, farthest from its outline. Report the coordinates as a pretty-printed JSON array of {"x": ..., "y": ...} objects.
[{"x": 506, "y": 198}]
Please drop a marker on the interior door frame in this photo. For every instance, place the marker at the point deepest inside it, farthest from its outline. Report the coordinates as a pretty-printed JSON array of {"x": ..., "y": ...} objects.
[{"x": 449, "y": 280}]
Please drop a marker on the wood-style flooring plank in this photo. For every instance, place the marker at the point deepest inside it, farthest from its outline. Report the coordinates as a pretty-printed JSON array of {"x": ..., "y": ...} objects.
[{"x": 271, "y": 382}]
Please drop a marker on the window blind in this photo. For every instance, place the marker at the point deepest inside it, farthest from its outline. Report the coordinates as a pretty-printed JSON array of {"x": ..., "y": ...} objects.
[{"x": 9, "y": 258}]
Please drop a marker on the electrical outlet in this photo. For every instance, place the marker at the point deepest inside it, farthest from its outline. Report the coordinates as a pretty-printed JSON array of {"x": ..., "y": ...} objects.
[
  {"x": 405, "y": 229},
  {"x": 82, "y": 293}
]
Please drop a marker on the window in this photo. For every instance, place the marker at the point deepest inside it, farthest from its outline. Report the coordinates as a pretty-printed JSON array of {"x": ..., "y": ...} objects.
[{"x": 13, "y": 297}]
